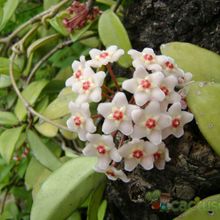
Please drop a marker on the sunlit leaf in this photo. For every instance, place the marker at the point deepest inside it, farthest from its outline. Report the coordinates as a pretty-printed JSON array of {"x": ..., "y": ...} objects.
[
  {"x": 49, "y": 3},
  {"x": 5, "y": 81},
  {"x": 8, "y": 118},
  {"x": 66, "y": 189},
  {"x": 102, "y": 210}
]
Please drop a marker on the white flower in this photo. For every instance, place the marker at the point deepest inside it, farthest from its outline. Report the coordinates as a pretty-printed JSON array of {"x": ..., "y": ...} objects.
[
  {"x": 78, "y": 71},
  {"x": 89, "y": 87},
  {"x": 171, "y": 96},
  {"x": 103, "y": 147},
  {"x": 169, "y": 66},
  {"x": 117, "y": 115},
  {"x": 161, "y": 156},
  {"x": 150, "y": 122},
  {"x": 183, "y": 80},
  {"x": 80, "y": 120},
  {"x": 179, "y": 119},
  {"x": 145, "y": 86},
  {"x": 146, "y": 59},
  {"x": 138, "y": 152},
  {"x": 113, "y": 174},
  {"x": 103, "y": 57}
]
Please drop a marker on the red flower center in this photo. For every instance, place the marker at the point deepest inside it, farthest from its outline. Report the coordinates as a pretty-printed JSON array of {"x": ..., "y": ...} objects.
[
  {"x": 145, "y": 84},
  {"x": 86, "y": 85},
  {"x": 110, "y": 173},
  {"x": 104, "y": 55},
  {"x": 77, "y": 121},
  {"x": 150, "y": 123},
  {"x": 165, "y": 90},
  {"x": 148, "y": 57},
  {"x": 176, "y": 122},
  {"x": 157, "y": 156},
  {"x": 169, "y": 65},
  {"x": 118, "y": 115},
  {"x": 101, "y": 149},
  {"x": 78, "y": 74},
  {"x": 138, "y": 154}
]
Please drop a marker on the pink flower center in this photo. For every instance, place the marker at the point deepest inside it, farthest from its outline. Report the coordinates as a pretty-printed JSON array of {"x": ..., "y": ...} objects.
[
  {"x": 101, "y": 149},
  {"x": 145, "y": 84},
  {"x": 176, "y": 122},
  {"x": 77, "y": 121},
  {"x": 78, "y": 74},
  {"x": 148, "y": 57},
  {"x": 118, "y": 115},
  {"x": 165, "y": 90},
  {"x": 169, "y": 65},
  {"x": 137, "y": 154},
  {"x": 110, "y": 173},
  {"x": 104, "y": 55},
  {"x": 157, "y": 156},
  {"x": 150, "y": 123},
  {"x": 86, "y": 85}
]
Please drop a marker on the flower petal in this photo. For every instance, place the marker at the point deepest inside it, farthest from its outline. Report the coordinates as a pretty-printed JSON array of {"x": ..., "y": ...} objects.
[
  {"x": 108, "y": 126},
  {"x": 130, "y": 164},
  {"x": 126, "y": 127},
  {"x": 105, "y": 109},
  {"x": 141, "y": 98},
  {"x": 147, "y": 163}
]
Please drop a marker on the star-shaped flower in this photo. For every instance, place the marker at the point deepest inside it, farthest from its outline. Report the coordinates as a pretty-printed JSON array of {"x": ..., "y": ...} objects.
[
  {"x": 80, "y": 120},
  {"x": 138, "y": 152},
  {"x": 179, "y": 119},
  {"x": 161, "y": 156},
  {"x": 78, "y": 71},
  {"x": 113, "y": 174},
  {"x": 103, "y": 147},
  {"x": 89, "y": 87},
  {"x": 103, "y": 57},
  {"x": 117, "y": 115},
  {"x": 150, "y": 122},
  {"x": 145, "y": 86}
]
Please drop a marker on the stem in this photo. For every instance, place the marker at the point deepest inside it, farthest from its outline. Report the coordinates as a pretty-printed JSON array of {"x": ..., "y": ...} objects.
[
  {"x": 90, "y": 4},
  {"x": 25, "y": 102},
  {"x": 96, "y": 116},
  {"x": 108, "y": 89},
  {"x": 109, "y": 68},
  {"x": 117, "y": 5},
  {"x": 4, "y": 201},
  {"x": 106, "y": 96},
  {"x": 54, "y": 50}
]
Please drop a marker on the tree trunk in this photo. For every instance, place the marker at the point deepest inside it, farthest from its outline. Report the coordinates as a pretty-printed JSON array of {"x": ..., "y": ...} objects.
[{"x": 194, "y": 169}]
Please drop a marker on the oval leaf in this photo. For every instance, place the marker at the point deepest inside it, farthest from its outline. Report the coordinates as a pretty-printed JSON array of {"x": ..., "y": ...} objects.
[
  {"x": 5, "y": 81},
  {"x": 202, "y": 63},
  {"x": 41, "y": 152},
  {"x": 66, "y": 189},
  {"x": 203, "y": 101},
  {"x": 112, "y": 32},
  {"x": 46, "y": 129},
  {"x": 4, "y": 67},
  {"x": 8, "y": 140},
  {"x": 30, "y": 93},
  {"x": 8, "y": 118},
  {"x": 206, "y": 209}
]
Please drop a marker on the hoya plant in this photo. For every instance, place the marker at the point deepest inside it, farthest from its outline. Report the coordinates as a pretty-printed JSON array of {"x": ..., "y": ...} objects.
[{"x": 84, "y": 114}]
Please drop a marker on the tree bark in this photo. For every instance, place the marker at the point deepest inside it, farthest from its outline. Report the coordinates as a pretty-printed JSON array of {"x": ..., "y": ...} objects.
[{"x": 194, "y": 169}]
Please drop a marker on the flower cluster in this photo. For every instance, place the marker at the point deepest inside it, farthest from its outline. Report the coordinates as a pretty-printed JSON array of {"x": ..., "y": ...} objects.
[{"x": 144, "y": 111}]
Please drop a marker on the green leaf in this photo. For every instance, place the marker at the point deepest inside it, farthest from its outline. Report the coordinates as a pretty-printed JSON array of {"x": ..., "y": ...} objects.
[
  {"x": 8, "y": 118},
  {"x": 8, "y": 140},
  {"x": 4, "y": 67},
  {"x": 66, "y": 189},
  {"x": 49, "y": 3},
  {"x": 203, "y": 101},
  {"x": 95, "y": 202},
  {"x": 202, "y": 63},
  {"x": 30, "y": 93},
  {"x": 102, "y": 210},
  {"x": 5, "y": 81},
  {"x": 59, "y": 107},
  {"x": 107, "y": 2},
  {"x": 42, "y": 42},
  {"x": 46, "y": 129},
  {"x": 33, "y": 173},
  {"x": 41, "y": 152},
  {"x": 112, "y": 32},
  {"x": 75, "y": 216},
  {"x": 8, "y": 10},
  {"x": 207, "y": 208}
]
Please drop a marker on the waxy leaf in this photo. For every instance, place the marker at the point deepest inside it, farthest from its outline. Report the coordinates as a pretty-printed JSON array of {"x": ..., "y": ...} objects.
[
  {"x": 41, "y": 152},
  {"x": 46, "y": 129},
  {"x": 112, "y": 32},
  {"x": 8, "y": 118},
  {"x": 206, "y": 209},
  {"x": 203, "y": 100},
  {"x": 5, "y": 81},
  {"x": 102, "y": 210},
  {"x": 30, "y": 93},
  {"x": 202, "y": 63},
  {"x": 8, "y": 140},
  {"x": 4, "y": 67},
  {"x": 66, "y": 189}
]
